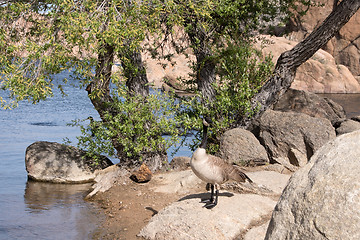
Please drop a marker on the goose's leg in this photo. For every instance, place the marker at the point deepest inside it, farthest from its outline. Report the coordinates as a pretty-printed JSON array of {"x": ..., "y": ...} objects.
[
  {"x": 216, "y": 197},
  {"x": 209, "y": 186},
  {"x": 212, "y": 193},
  {"x": 213, "y": 203}
]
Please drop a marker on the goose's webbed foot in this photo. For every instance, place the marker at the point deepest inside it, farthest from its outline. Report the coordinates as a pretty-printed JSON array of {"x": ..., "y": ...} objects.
[{"x": 210, "y": 203}]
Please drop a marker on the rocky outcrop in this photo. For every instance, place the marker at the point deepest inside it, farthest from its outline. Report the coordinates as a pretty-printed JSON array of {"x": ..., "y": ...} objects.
[
  {"x": 234, "y": 215},
  {"x": 310, "y": 104},
  {"x": 344, "y": 47},
  {"x": 320, "y": 74},
  {"x": 187, "y": 219},
  {"x": 241, "y": 147},
  {"x": 292, "y": 138},
  {"x": 107, "y": 178},
  {"x": 167, "y": 70},
  {"x": 348, "y": 126},
  {"x": 325, "y": 72},
  {"x": 55, "y": 162},
  {"x": 331, "y": 70},
  {"x": 322, "y": 199}
]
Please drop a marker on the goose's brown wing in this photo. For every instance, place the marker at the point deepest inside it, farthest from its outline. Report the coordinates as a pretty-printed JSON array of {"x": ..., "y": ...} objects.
[
  {"x": 229, "y": 171},
  {"x": 236, "y": 174}
]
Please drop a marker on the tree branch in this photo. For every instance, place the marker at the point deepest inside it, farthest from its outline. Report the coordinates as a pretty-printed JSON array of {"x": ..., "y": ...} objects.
[{"x": 289, "y": 61}]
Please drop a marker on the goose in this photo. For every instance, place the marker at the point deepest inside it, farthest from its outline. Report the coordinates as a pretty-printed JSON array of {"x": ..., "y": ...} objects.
[{"x": 213, "y": 170}]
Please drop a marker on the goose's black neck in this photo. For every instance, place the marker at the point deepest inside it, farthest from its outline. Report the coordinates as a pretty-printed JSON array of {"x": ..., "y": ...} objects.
[{"x": 205, "y": 137}]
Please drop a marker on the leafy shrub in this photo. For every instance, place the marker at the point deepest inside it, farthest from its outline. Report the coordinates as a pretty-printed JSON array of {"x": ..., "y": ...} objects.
[
  {"x": 139, "y": 126},
  {"x": 241, "y": 72}
]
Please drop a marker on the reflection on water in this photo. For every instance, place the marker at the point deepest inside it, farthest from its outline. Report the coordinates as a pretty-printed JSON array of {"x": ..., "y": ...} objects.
[
  {"x": 33, "y": 210},
  {"x": 43, "y": 196},
  {"x": 49, "y": 124},
  {"x": 53, "y": 211}
]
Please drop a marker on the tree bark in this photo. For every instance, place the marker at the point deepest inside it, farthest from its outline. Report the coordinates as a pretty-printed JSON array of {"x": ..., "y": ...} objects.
[
  {"x": 137, "y": 83},
  {"x": 135, "y": 73},
  {"x": 205, "y": 66},
  {"x": 99, "y": 89},
  {"x": 289, "y": 61}
]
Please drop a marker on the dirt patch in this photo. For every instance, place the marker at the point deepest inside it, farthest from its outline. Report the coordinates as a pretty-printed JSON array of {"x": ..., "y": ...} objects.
[{"x": 128, "y": 208}]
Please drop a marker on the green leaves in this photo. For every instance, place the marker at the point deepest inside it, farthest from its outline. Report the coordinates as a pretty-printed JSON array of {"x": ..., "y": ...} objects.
[
  {"x": 139, "y": 126},
  {"x": 41, "y": 38},
  {"x": 241, "y": 72}
]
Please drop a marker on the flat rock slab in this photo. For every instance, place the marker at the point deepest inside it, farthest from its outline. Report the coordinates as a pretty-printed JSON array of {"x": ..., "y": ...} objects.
[
  {"x": 274, "y": 181},
  {"x": 188, "y": 219},
  {"x": 257, "y": 233},
  {"x": 177, "y": 182},
  {"x": 186, "y": 181}
]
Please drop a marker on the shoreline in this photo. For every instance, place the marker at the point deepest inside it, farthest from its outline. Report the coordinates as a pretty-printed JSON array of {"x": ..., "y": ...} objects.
[{"x": 128, "y": 207}]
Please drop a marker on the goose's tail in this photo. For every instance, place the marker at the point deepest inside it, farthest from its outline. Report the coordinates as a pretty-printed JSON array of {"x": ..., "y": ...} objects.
[{"x": 238, "y": 175}]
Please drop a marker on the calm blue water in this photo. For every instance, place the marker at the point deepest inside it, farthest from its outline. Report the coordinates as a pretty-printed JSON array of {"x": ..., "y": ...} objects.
[{"x": 31, "y": 210}]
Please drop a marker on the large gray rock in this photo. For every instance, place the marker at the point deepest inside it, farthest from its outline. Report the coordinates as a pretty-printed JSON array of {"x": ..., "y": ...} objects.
[
  {"x": 241, "y": 147},
  {"x": 322, "y": 199},
  {"x": 55, "y": 162},
  {"x": 347, "y": 126},
  {"x": 310, "y": 104},
  {"x": 291, "y": 137},
  {"x": 188, "y": 219},
  {"x": 234, "y": 215}
]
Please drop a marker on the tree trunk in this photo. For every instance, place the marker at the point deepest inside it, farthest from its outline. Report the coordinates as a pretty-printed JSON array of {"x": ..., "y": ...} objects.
[
  {"x": 138, "y": 84},
  {"x": 135, "y": 73},
  {"x": 205, "y": 66},
  {"x": 99, "y": 93},
  {"x": 289, "y": 61},
  {"x": 99, "y": 89},
  {"x": 205, "y": 71}
]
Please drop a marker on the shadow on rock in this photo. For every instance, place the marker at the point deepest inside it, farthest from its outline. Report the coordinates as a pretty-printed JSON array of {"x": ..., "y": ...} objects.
[{"x": 204, "y": 196}]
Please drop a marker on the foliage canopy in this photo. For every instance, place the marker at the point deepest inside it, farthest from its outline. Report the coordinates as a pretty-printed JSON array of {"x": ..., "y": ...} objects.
[{"x": 39, "y": 39}]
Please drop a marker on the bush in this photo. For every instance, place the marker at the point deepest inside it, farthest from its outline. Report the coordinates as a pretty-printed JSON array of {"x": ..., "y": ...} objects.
[
  {"x": 139, "y": 126},
  {"x": 241, "y": 72}
]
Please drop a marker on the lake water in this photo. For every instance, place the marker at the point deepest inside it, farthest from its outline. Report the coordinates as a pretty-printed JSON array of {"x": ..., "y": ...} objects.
[
  {"x": 350, "y": 102},
  {"x": 32, "y": 210}
]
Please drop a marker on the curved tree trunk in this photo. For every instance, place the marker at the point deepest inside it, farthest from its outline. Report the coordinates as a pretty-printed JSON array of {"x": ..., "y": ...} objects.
[
  {"x": 99, "y": 89},
  {"x": 137, "y": 83},
  {"x": 205, "y": 66},
  {"x": 136, "y": 79},
  {"x": 289, "y": 61}
]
